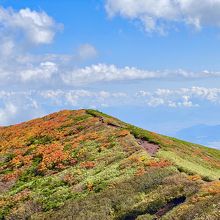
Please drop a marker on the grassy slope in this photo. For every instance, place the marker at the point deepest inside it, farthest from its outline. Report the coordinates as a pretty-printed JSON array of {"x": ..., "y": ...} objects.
[
  {"x": 91, "y": 165},
  {"x": 191, "y": 158}
]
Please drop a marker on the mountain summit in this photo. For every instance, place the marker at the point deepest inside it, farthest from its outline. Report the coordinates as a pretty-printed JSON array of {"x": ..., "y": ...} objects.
[{"x": 87, "y": 165}]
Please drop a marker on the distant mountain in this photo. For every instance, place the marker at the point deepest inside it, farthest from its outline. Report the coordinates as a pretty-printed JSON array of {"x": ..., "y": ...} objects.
[
  {"x": 87, "y": 165},
  {"x": 202, "y": 134}
]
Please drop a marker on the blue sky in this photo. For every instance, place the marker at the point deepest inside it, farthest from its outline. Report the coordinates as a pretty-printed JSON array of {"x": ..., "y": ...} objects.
[{"x": 152, "y": 63}]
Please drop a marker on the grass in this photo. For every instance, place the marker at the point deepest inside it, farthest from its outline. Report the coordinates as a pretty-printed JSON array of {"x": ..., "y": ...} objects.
[
  {"x": 189, "y": 166},
  {"x": 37, "y": 140}
]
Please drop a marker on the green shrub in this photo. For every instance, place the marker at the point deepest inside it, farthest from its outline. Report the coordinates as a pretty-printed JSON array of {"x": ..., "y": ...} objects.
[{"x": 39, "y": 140}]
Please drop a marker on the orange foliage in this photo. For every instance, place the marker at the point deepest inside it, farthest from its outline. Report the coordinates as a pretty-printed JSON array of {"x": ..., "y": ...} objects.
[
  {"x": 11, "y": 176},
  {"x": 69, "y": 178},
  {"x": 194, "y": 177},
  {"x": 161, "y": 163},
  {"x": 123, "y": 133},
  {"x": 87, "y": 164},
  {"x": 211, "y": 161},
  {"x": 17, "y": 161},
  {"x": 52, "y": 156},
  {"x": 197, "y": 152},
  {"x": 21, "y": 195},
  {"x": 135, "y": 158},
  {"x": 90, "y": 186},
  {"x": 212, "y": 188},
  {"x": 140, "y": 172}
]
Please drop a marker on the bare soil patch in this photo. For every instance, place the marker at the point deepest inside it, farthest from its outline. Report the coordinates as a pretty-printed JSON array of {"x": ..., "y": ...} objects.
[{"x": 151, "y": 148}]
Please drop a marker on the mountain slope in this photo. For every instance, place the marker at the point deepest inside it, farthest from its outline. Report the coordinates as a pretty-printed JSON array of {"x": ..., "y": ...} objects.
[{"x": 87, "y": 165}]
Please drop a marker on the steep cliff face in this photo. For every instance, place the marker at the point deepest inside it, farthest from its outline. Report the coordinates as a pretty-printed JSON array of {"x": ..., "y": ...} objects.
[{"x": 87, "y": 165}]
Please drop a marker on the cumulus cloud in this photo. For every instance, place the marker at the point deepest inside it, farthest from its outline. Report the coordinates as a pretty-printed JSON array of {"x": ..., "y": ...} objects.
[
  {"x": 44, "y": 71},
  {"x": 156, "y": 16},
  {"x": 20, "y": 31},
  {"x": 36, "y": 27}
]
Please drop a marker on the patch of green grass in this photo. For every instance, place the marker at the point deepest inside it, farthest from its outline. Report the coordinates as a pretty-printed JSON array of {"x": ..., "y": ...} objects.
[
  {"x": 6, "y": 171},
  {"x": 79, "y": 118},
  {"x": 96, "y": 113},
  {"x": 189, "y": 166},
  {"x": 146, "y": 217},
  {"x": 28, "y": 176},
  {"x": 9, "y": 157},
  {"x": 141, "y": 134},
  {"x": 4, "y": 211},
  {"x": 37, "y": 140},
  {"x": 65, "y": 126}
]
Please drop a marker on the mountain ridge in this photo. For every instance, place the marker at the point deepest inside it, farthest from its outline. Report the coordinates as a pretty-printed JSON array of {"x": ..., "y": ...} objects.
[{"x": 62, "y": 165}]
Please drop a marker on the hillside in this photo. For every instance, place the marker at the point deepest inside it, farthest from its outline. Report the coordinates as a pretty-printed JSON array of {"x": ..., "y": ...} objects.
[{"x": 87, "y": 165}]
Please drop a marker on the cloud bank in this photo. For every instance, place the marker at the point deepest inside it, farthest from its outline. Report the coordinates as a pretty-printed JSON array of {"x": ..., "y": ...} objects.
[
  {"x": 57, "y": 70},
  {"x": 182, "y": 97},
  {"x": 160, "y": 15},
  {"x": 18, "y": 106},
  {"x": 108, "y": 73}
]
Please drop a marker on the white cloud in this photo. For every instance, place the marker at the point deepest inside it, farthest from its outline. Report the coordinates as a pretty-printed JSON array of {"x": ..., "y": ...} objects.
[
  {"x": 87, "y": 51},
  {"x": 104, "y": 73},
  {"x": 59, "y": 70},
  {"x": 45, "y": 71},
  {"x": 107, "y": 73},
  {"x": 178, "y": 101},
  {"x": 7, "y": 47},
  {"x": 35, "y": 27},
  {"x": 8, "y": 111},
  {"x": 186, "y": 102},
  {"x": 154, "y": 102},
  {"x": 182, "y": 97},
  {"x": 156, "y": 15},
  {"x": 17, "y": 106},
  {"x": 84, "y": 98},
  {"x": 19, "y": 32}
]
